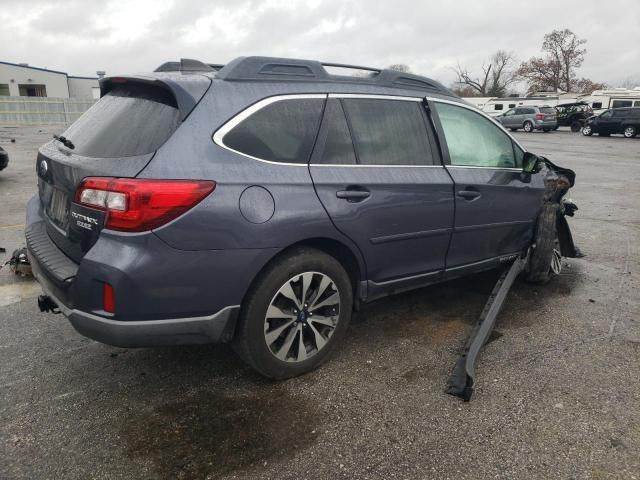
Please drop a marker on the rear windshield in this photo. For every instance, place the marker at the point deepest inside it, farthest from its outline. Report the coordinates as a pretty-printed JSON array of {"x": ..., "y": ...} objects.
[
  {"x": 132, "y": 119},
  {"x": 548, "y": 110}
]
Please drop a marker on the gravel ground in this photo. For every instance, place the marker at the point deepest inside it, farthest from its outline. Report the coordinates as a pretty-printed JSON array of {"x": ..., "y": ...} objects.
[{"x": 558, "y": 388}]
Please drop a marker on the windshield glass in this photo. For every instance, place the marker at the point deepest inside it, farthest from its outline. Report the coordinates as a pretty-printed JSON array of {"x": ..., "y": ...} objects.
[{"x": 132, "y": 119}]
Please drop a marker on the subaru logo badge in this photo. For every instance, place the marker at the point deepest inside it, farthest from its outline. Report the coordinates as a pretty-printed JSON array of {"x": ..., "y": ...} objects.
[{"x": 43, "y": 168}]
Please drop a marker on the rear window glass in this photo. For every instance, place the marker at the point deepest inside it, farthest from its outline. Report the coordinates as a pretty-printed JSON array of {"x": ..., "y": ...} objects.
[
  {"x": 130, "y": 120},
  {"x": 548, "y": 110},
  {"x": 283, "y": 131}
]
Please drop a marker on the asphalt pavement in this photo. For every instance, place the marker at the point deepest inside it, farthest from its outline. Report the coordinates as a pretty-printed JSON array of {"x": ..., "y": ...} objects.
[{"x": 558, "y": 392}]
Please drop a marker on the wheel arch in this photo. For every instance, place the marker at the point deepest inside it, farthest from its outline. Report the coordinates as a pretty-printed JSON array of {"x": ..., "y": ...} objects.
[{"x": 348, "y": 258}]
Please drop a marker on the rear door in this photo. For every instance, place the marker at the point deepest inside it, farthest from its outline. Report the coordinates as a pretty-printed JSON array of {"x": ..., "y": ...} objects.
[
  {"x": 116, "y": 137},
  {"x": 378, "y": 175},
  {"x": 496, "y": 204}
]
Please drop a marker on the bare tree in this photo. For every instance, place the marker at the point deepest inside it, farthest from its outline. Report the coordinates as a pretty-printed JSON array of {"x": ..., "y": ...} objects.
[
  {"x": 557, "y": 69},
  {"x": 630, "y": 82},
  {"x": 497, "y": 74},
  {"x": 584, "y": 85},
  {"x": 464, "y": 90}
]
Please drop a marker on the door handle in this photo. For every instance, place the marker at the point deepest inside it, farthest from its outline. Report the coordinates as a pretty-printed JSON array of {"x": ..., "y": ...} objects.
[
  {"x": 353, "y": 194},
  {"x": 469, "y": 194}
]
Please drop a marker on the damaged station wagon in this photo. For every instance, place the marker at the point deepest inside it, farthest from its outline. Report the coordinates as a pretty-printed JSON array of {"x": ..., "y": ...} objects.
[{"x": 261, "y": 202}]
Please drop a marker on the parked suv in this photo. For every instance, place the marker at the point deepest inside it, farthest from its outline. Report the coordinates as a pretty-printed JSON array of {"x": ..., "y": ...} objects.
[
  {"x": 261, "y": 202},
  {"x": 530, "y": 119},
  {"x": 616, "y": 120},
  {"x": 573, "y": 115}
]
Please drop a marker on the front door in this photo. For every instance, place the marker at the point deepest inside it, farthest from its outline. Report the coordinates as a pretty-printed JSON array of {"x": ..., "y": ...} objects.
[
  {"x": 607, "y": 122},
  {"x": 510, "y": 119},
  {"x": 496, "y": 204},
  {"x": 390, "y": 194}
]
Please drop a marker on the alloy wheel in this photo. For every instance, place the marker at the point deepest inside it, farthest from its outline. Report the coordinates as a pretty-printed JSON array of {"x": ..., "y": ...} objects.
[
  {"x": 629, "y": 132},
  {"x": 556, "y": 258},
  {"x": 302, "y": 316}
]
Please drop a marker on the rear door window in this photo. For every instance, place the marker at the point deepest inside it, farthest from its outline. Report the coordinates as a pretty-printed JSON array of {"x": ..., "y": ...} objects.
[
  {"x": 388, "y": 132},
  {"x": 334, "y": 133},
  {"x": 283, "y": 131},
  {"x": 131, "y": 119}
]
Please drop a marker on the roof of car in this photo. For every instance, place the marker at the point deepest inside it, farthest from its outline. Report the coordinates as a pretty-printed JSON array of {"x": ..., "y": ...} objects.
[{"x": 274, "y": 69}]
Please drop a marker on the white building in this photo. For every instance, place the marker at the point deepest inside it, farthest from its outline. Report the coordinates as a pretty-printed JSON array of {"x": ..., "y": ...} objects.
[{"x": 22, "y": 80}]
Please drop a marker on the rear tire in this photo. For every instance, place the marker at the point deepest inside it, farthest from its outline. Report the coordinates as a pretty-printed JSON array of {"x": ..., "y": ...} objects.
[
  {"x": 546, "y": 261},
  {"x": 630, "y": 132},
  {"x": 528, "y": 127},
  {"x": 575, "y": 127},
  {"x": 283, "y": 329}
]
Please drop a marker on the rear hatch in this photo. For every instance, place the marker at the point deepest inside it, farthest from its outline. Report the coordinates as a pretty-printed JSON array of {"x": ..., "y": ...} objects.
[
  {"x": 117, "y": 137},
  {"x": 549, "y": 114}
]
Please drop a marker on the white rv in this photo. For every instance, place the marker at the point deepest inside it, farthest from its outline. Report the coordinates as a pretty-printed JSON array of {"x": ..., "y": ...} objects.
[
  {"x": 496, "y": 106},
  {"x": 601, "y": 100}
]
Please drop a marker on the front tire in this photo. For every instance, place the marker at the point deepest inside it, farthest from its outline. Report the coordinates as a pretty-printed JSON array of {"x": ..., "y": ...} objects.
[
  {"x": 630, "y": 132},
  {"x": 295, "y": 314},
  {"x": 528, "y": 127},
  {"x": 546, "y": 260},
  {"x": 587, "y": 131}
]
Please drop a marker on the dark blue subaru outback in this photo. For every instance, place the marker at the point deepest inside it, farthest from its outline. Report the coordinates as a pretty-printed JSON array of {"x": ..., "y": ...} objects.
[{"x": 260, "y": 202}]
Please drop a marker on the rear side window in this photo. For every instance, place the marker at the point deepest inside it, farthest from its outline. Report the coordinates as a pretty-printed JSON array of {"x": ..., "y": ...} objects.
[
  {"x": 388, "y": 132},
  {"x": 621, "y": 103},
  {"x": 473, "y": 140},
  {"x": 283, "y": 131},
  {"x": 131, "y": 119}
]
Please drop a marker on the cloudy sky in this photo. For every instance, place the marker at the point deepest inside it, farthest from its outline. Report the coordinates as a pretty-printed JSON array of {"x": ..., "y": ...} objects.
[{"x": 82, "y": 36}]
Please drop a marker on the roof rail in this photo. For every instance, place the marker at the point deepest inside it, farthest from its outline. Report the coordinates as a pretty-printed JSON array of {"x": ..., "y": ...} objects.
[
  {"x": 294, "y": 70},
  {"x": 187, "y": 65}
]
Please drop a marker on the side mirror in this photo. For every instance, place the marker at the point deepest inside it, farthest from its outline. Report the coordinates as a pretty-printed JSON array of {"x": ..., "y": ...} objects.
[{"x": 531, "y": 163}]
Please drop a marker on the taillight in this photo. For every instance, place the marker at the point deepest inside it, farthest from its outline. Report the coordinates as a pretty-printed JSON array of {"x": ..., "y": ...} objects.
[
  {"x": 540, "y": 116},
  {"x": 136, "y": 205}
]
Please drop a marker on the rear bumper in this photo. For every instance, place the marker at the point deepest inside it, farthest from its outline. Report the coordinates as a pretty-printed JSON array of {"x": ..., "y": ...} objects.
[
  {"x": 541, "y": 124},
  {"x": 218, "y": 327}
]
